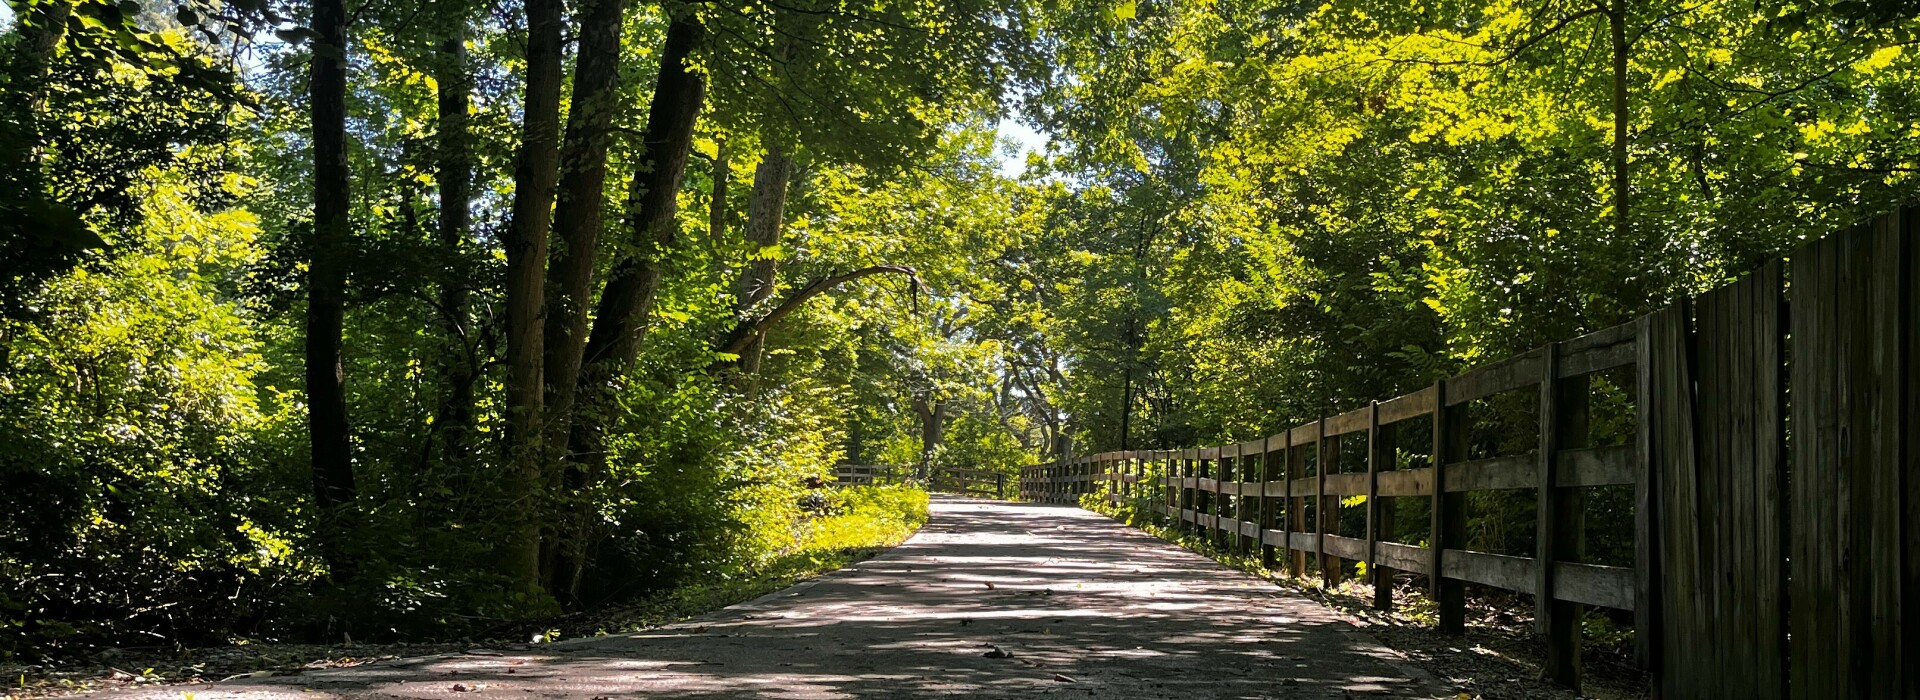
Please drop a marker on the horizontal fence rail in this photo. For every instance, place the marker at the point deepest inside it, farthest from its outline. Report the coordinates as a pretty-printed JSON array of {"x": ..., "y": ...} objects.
[
  {"x": 1758, "y": 572},
  {"x": 970, "y": 482},
  {"x": 868, "y": 474}
]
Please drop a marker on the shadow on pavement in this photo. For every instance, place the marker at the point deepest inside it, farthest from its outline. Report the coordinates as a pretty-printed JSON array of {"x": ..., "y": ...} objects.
[{"x": 1084, "y": 606}]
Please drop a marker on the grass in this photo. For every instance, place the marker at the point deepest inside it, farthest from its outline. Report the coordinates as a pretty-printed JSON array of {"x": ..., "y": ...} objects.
[
  {"x": 854, "y": 524},
  {"x": 857, "y": 523}
]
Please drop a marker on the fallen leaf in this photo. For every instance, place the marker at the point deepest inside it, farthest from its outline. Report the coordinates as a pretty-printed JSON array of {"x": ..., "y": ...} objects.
[{"x": 1064, "y": 678}]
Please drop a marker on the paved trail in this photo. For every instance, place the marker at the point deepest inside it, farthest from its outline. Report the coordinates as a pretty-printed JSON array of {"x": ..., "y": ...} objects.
[{"x": 1069, "y": 594}]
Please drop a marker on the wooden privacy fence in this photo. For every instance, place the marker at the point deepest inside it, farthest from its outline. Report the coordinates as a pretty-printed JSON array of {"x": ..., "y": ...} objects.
[{"x": 1758, "y": 571}]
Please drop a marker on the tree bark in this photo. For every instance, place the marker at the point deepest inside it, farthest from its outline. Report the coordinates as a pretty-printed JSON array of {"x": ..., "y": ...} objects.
[
  {"x": 455, "y": 174},
  {"x": 933, "y": 428},
  {"x": 717, "y": 201},
  {"x": 766, "y": 212},
  {"x": 627, "y": 301},
  {"x": 327, "y": 428},
  {"x": 40, "y": 39},
  {"x": 1617, "y": 29},
  {"x": 632, "y": 288},
  {"x": 535, "y": 175},
  {"x": 577, "y": 222}
]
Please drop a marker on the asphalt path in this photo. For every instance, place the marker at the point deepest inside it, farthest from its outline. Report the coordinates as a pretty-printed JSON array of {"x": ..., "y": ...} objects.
[{"x": 989, "y": 599}]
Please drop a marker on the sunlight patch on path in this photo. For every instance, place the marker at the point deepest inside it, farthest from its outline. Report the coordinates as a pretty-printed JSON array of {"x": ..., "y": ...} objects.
[{"x": 1069, "y": 604}]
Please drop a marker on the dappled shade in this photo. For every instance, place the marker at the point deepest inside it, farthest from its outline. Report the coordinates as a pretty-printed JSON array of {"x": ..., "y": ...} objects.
[{"x": 1069, "y": 594}]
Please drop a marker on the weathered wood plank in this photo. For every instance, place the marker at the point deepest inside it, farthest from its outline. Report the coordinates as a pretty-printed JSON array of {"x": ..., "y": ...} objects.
[
  {"x": 1515, "y": 372},
  {"x": 1516, "y": 472},
  {"x": 1449, "y": 511},
  {"x": 1326, "y": 509},
  {"x": 1603, "y": 349},
  {"x": 1558, "y": 519},
  {"x": 1738, "y": 403},
  {"x": 1404, "y": 557},
  {"x": 1348, "y": 484},
  {"x": 1852, "y": 587},
  {"x": 1497, "y": 570},
  {"x": 1646, "y": 616},
  {"x": 1595, "y": 466},
  {"x": 1345, "y": 547},
  {"x": 1349, "y": 422},
  {"x": 1407, "y": 407},
  {"x": 1605, "y": 586},
  {"x": 1380, "y": 457},
  {"x": 1407, "y": 482}
]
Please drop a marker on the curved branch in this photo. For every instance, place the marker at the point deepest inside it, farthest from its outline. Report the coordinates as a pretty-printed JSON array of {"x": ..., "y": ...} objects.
[{"x": 743, "y": 334}]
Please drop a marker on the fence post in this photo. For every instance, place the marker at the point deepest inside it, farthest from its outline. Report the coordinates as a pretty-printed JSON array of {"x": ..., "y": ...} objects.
[
  {"x": 1265, "y": 503},
  {"x": 1296, "y": 505},
  {"x": 1646, "y": 618},
  {"x": 1379, "y": 517},
  {"x": 1559, "y": 517},
  {"x": 1185, "y": 466},
  {"x": 1448, "y": 527}
]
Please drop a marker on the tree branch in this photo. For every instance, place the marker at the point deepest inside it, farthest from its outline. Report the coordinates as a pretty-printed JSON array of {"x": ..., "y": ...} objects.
[{"x": 743, "y": 334}]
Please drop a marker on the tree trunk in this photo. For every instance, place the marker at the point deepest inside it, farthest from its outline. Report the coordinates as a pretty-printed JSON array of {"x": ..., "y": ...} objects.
[
  {"x": 577, "y": 223},
  {"x": 717, "y": 201},
  {"x": 627, "y": 301},
  {"x": 327, "y": 427},
  {"x": 766, "y": 211},
  {"x": 1126, "y": 405},
  {"x": 455, "y": 99},
  {"x": 40, "y": 39},
  {"x": 933, "y": 429},
  {"x": 535, "y": 174},
  {"x": 1617, "y": 26},
  {"x": 856, "y": 441}
]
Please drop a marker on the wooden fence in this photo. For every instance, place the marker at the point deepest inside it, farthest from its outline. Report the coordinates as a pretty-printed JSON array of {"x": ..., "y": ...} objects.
[
  {"x": 868, "y": 474},
  {"x": 1758, "y": 572},
  {"x": 971, "y": 482}
]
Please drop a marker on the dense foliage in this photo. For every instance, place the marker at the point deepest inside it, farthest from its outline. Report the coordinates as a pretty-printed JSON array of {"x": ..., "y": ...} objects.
[{"x": 416, "y": 319}]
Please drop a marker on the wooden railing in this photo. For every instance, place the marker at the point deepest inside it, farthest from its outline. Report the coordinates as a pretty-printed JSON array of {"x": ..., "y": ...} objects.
[
  {"x": 969, "y": 482},
  {"x": 1270, "y": 491},
  {"x": 1750, "y": 579},
  {"x": 868, "y": 474}
]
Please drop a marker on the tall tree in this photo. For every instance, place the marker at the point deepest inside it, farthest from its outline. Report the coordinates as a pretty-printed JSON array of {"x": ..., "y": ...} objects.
[
  {"x": 327, "y": 427},
  {"x": 454, "y": 173},
  {"x": 766, "y": 214},
  {"x": 536, "y": 173},
  {"x": 632, "y": 288},
  {"x": 579, "y": 218}
]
